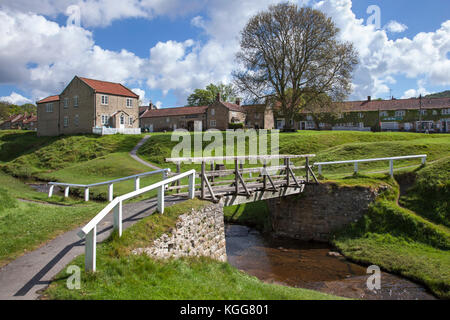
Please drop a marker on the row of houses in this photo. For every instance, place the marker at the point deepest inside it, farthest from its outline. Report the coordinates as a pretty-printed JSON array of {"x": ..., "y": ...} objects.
[
  {"x": 20, "y": 122},
  {"x": 101, "y": 107}
]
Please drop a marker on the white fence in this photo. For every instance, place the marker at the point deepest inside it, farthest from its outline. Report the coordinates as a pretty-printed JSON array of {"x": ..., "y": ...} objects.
[
  {"x": 90, "y": 230},
  {"x": 355, "y": 162},
  {"x": 109, "y": 131},
  {"x": 110, "y": 183}
]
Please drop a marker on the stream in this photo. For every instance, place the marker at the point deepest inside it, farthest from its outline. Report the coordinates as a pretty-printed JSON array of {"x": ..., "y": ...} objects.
[{"x": 311, "y": 265}]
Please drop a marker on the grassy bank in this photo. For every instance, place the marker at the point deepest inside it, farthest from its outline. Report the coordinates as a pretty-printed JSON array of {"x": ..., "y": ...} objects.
[{"x": 122, "y": 275}]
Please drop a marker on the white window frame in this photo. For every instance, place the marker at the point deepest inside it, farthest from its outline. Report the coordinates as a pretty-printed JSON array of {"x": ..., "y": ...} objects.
[
  {"x": 130, "y": 121},
  {"x": 122, "y": 119},
  {"x": 49, "y": 107},
  {"x": 66, "y": 103},
  {"x": 361, "y": 115},
  {"x": 423, "y": 112},
  {"x": 105, "y": 100},
  {"x": 383, "y": 114},
  {"x": 105, "y": 119},
  {"x": 76, "y": 120},
  {"x": 445, "y": 111},
  {"x": 213, "y": 112},
  {"x": 213, "y": 123},
  {"x": 66, "y": 121},
  {"x": 75, "y": 102},
  {"x": 129, "y": 103},
  {"x": 400, "y": 113},
  {"x": 167, "y": 120}
]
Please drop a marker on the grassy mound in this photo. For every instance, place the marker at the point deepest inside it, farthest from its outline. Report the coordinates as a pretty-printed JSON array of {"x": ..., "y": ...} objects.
[
  {"x": 122, "y": 275},
  {"x": 430, "y": 192}
]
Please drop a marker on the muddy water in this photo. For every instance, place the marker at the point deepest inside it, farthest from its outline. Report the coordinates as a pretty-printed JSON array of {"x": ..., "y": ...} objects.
[{"x": 311, "y": 266}]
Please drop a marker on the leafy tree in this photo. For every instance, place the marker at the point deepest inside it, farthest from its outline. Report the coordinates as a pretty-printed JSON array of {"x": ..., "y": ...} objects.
[
  {"x": 287, "y": 52},
  {"x": 7, "y": 109},
  {"x": 321, "y": 108},
  {"x": 204, "y": 97}
]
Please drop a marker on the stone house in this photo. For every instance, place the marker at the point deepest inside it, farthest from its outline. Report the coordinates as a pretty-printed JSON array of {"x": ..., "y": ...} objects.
[
  {"x": 89, "y": 106},
  {"x": 259, "y": 116},
  {"x": 220, "y": 114},
  {"x": 414, "y": 115}
]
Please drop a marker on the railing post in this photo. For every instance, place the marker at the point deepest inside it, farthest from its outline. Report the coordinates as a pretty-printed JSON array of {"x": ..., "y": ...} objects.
[
  {"x": 161, "y": 199},
  {"x": 118, "y": 218},
  {"x": 90, "y": 250},
  {"x": 192, "y": 186},
  {"x": 50, "y": 191},
  {"x": 307, "y": 169},
  {"x": 111, "y": 192},
  {"x": 66, "y": 192},
  {"x": 86, "y": 194},
  {"x": 287, "y": 164},
  {"x": 320, "y": 169},
  {"x": 424, "y": 160},
  {"x": 391, "y": 167},
  {"x": 236, "y": 172},
  {"x": 356, "y": 167},
  {"x": 265, "y": 175},
  {"x": 202, "y": 191},
  {"x": 137, "y": 183},
  {"x": 178, "y": 172}
]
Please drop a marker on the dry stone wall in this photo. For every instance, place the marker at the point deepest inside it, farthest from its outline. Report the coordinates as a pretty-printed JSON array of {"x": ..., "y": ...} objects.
[{"x": 197, "y": 233}]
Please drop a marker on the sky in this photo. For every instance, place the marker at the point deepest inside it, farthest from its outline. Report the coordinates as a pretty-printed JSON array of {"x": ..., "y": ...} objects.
[{"x": 164, "y": 49}]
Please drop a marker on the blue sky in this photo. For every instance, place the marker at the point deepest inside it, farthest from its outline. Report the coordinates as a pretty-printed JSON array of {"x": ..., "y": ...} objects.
[{"x": 168, "y": 48}]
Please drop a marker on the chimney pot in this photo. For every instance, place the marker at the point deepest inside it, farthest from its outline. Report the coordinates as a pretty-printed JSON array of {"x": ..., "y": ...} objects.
[
  {"x": 369, "y": 98},
  {"x": 218, "y": 98},
  {"x": 238, "y": 101}
]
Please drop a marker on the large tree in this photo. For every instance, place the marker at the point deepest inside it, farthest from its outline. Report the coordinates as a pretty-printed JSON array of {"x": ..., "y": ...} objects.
[
  {"x": 204, "y": 97},
  {"x": 291, "y": 55}
]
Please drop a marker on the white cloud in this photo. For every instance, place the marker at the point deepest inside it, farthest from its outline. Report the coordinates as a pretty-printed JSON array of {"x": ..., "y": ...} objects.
[
  {"x": 395, "y": 27},
  {"x": 15, "y": 98},
  {"x": 141, "y": 93},
  {"x": 414, "y": 93}
]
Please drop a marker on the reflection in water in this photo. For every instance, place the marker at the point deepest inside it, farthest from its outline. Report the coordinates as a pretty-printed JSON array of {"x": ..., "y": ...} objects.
[{"x": 309, "y": 265}]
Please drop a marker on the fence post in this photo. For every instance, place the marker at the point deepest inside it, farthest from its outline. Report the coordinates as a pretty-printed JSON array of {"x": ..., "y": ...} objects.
[
  {"x": 320, "y": 169},
  {"x": 118, "y": 218},
  {"x": 111, "y": 192},
  {"x": 424, "y": 160},
  {"x": 161, "y": 199},
  {"x": 66, "y": 192},
  {"x": 90, "y": 250},
  {"x": 202, "y": 176},
  {"x": 307, "y": 169},
  {"x": 137, "y": 183},
  {"x": 192, "y": 186},
  {"x": 86, "y": 194},
  {"x": 50, "y": 191},
  {"x": 356, "y": 167},
  {"x": 391, "y": 167}
]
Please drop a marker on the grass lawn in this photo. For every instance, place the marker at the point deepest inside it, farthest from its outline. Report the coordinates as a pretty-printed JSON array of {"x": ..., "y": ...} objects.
[{"x": 122, "y": 275}]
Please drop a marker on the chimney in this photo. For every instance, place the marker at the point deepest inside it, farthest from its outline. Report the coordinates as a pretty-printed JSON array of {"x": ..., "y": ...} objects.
[
  {"x": 218, "y": 98},
  {"x": 238, "y": 101},
  {"x": 369, "y": 98}
]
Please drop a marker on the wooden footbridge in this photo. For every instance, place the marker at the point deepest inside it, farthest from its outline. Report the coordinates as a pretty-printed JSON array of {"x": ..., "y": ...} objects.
[{"x": 238, "y": 185}]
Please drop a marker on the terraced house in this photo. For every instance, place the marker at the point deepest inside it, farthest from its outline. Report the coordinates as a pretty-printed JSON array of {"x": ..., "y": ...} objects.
[
  {"x": 414, "y": 115},
  {"x": 89, "y": 106}
]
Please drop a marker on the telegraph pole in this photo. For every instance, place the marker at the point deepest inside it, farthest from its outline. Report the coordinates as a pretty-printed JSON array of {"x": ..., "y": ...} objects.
[{"x": 420, "y": 113}]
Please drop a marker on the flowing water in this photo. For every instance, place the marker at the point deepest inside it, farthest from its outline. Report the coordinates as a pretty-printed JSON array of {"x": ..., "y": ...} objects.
[{"x": 312, "y": 266}]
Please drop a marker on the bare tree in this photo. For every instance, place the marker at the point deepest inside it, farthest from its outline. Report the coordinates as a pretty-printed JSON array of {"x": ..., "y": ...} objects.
[{"x": 291, "y": 55}]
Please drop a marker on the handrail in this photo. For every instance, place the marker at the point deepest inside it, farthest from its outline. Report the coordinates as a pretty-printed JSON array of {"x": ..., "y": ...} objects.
[
  {"x": 390, "y": 159},
  {"x": 110, "y": 183},
  {"x": 238, "y": 158},
  {"x": 89, "y": 231}
]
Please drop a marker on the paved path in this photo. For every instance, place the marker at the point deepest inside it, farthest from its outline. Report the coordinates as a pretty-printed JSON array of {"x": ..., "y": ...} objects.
[
  {"x": 135, "y": 157},
  {"x": 27, "y": 276}
]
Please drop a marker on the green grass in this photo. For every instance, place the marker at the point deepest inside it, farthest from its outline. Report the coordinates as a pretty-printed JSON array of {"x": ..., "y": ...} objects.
[
  {"x": 25, "y": 226},
  {"x": 122, "y": 275},
  {"x": 400, "y": 241},
  {"x": 429, "y": 193}
]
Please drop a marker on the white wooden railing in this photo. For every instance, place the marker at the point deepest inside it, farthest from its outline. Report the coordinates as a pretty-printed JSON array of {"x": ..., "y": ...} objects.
[
  {"x": 103, "y": 131},
  {"x": 110, "y": 183},
  {"x": 89, "y": 231},
  {"x": 355, "y": 162}
]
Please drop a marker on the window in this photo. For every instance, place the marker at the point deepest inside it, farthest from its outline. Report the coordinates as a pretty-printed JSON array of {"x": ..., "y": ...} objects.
[
  {"x": 257, "y": 115},
  {"x": 361, "y": 115},
  {"x": 309, "y": 118},
  {"x": 423, "y": 112},
  {"x": 49, "y": 107},
  {"x": 129, "y": 103},
  {"x": 66, "y": 103},
  {"x": 105, "y": 100},
  {"x": 75, "y": 101},
  {"x": 76, "y": 120},
  {"x": 213, "y": 112},
  {"x": 130, "y": 121},
  {"x": 445, "y": 111},
  {"x": 383, "y": 114},
  {"x": 340, "y": 116},
  {"x": 66, "y": 121},
  {"x": 400, "y": 113},
  {"x": 167, "y": 120},
  {"x": 213, "y": 123},
  {"x": 122, "y": 119},
  {"x": 105, "y": 119}
]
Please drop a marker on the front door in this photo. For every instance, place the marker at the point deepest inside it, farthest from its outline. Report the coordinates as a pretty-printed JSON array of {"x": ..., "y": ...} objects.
[{"x": 122, "y": 121}]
